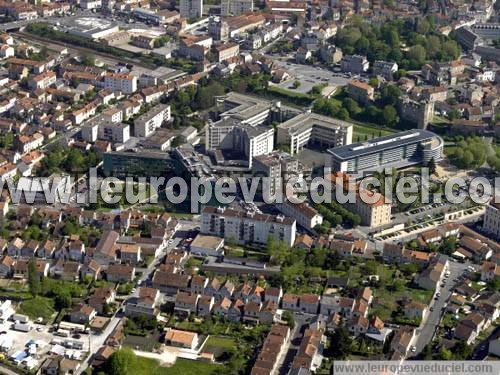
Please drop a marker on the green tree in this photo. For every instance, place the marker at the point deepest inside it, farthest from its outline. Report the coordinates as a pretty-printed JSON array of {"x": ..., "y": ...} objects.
[
  {"x": 177, "y": 141},
  {"x": 390, "y": 94},
  {"x": 373, "y": 82},
  {"x": 417, "y": 55},
  {"x": 33, "y": 277},
  {"x": 390, "y": 115},
  {"x": 444, "y": 355},
  {"x": 88, "y": 60},
  {"x": 461, "y": 350},
  {"x": 343, "y": 341},
  {"x": 63, "y": 300},
  {"x": 287, "y": 316},
  {"x": 120, "y": 362},
  {"x": 423, "y": 26},
  {"x": 454, "y": 114},
  {"x": 205, "y": 97},
  {"x": 468, "y": 158}
]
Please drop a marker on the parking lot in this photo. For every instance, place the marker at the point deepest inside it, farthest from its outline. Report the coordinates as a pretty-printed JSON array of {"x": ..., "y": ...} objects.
[
  {"x": 310, "y": 76},
  {"x": 14, "y": 341}
]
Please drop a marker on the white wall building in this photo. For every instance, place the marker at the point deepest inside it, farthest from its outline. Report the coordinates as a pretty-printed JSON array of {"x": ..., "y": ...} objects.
[
  {"x": 230, "y": 134},
  {"x": 147, "y": 123},
  {"x": 249, "y": 227},
  {"x": 305, "y": 215},
  {"x": 308, "y": 128},
  {"x": 125, "y": 83}
]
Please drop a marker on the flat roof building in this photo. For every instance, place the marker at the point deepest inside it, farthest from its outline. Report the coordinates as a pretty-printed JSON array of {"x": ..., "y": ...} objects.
[
  {"x": 137, "y": 164},
  {"x": 243, "y": 141},
  {"x": 247, "y": 227},
  {"x": 308, "y": 128},
  {"x": 247, "y": 109},
  {"x": 397, "y": 150},
  {"x": 89, "y": 27}
]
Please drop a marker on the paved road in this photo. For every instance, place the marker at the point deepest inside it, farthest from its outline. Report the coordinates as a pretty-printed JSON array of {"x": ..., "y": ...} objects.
[{"x": 426, "y": 331}]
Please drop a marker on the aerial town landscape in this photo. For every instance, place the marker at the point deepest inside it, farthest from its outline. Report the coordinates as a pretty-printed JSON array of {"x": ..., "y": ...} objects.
[{"x": 172, "y": 174}]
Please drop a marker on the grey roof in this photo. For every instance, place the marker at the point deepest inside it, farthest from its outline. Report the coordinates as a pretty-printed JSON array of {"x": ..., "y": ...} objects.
[
  {"x": 381, "y": 143},
  {"x": 307, "y": 120}
]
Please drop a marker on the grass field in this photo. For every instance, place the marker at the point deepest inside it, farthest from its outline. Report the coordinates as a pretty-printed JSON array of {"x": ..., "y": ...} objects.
[
  {"x": 363, "y": 132},
  {"x": 38, "y": 307},
  {"x": 217, "y": 345},
  {"x": 148, "y": 366}
]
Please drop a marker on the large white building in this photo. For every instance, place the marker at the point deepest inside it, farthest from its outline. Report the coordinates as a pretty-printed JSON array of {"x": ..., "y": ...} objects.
[
  {"x": 305, "y": 215},
  {"x": 147, "y": 123},
  {"x": 247, "y": 227},
  {"x": 247, "y": 109},
  {"x": 191, "y": 8},
  {"x": 230, "y": 135},
  {"x": 491, "y": 223},
  {"x": 311, "y": 128},
  {"x": 125, "y": 83},
  {"x": 235, "y": 7}
]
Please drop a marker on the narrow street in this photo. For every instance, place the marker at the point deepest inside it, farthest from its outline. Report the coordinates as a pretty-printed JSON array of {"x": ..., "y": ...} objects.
[{"x": 427, "y": 329}]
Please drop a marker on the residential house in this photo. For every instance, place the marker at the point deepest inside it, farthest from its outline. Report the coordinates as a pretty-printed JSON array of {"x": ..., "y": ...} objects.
[
  {"x": 29, "y": 249},
  {"x": 415, "y": 311},
  {"x": 198, "y": 284},
  {"x": 146, "y": 304},
  {"x": 129, "y": 253},
  {"x": 290, "y": 302},
  {"x": 91, "y": 269},
  {"x": 101, "y": 297},
  {"x": 251, "y": 312},
  {"x": 309, "y": 303},
  {"x": 205, "y": 305},
  {"x": 489, "y": 271},
  {"x": 273, "y": 294},
  {"x": 120, "y": 273},
  {"x": 15, "y": 246},
  {"x": 82, "y": 314},
  {"x": 186, "y": 303},
  {"x": 222, "y": 308},
  {"x": 470, "y": 327},
  {"x": 170, "y": 283},
  {"x": 402, "y": 340},
  {"x": 46, "y": 250},
  {"x": 225, "y": 290},
  {"x": 268, "y": 312},
  {"x": 358, "y": 325},
  {"x": 6, "y": 266},
  {"x": 310, "y": 353},
  {"x": 236, "y": 310},
  {"x": 105, "y": 250},
  {"x": 76, "y": 250},
  {"x": 182, "y": 339}
]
